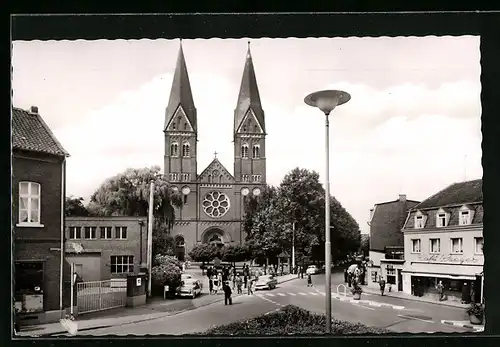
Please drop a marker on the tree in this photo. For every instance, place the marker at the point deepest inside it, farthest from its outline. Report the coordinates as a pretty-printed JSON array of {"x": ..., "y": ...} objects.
[
  {"x": 163, "y": 243},
  {"x": 127, "y": 194},
  {"x": 364, "y": 247},
  {"x": 166, "y": 271},
  {"x": 299, "y": 200},
  {"x": 234, "y": 253},
  {"x": 74, "y": 207},
  {"x": 205, "y": 252}
]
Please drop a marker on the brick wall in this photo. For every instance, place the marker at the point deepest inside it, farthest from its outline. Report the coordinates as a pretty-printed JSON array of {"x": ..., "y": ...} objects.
[{"x": 113, "y": 246}]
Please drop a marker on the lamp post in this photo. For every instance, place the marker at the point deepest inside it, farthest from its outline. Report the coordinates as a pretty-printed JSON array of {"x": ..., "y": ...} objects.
[{"x": 326, "y": 101}]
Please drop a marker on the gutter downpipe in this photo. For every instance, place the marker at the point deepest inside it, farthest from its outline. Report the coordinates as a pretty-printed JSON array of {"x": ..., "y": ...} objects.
[{"x": 63, "y": 195}]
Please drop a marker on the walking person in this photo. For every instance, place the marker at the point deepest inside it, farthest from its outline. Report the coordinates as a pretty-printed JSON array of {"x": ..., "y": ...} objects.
[
  {"x": 215, "y": 287},
  {"x": 349, "y": 279},
  {"x": 309, "y": 280},
  {"x": 381, "y": 283},
  {"x": 211, "y": 285},
  {"x": 250, "y": 286},
  {"x": 440, "y": 289},
  {"x": 345, "y": 275},
  {"x": 227, "y": 293},
  {"x": 245, "y": 275},
  {"x": 239, "y": 283}
]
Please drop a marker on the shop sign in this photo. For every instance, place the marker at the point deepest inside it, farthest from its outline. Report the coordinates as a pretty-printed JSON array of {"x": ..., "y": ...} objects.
[{"x": 440, "y": 258}]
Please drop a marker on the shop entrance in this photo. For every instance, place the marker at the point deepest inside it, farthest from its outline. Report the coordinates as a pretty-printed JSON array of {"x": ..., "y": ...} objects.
[{"x": 400, "y": 280}]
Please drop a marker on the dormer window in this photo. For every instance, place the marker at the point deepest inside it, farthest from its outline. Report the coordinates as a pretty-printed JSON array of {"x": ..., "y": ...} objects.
[
  {"x": 442, "y": 218},
  {"x": 244, "y": 151},
  {"x": 420, "y": 220},
  {"x": 465, "y": 215}
]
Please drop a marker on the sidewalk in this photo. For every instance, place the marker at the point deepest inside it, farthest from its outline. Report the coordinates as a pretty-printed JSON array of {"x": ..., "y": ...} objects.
[
  {"x": 154, "y": 309},
  {"x": 405, "y": 296}
]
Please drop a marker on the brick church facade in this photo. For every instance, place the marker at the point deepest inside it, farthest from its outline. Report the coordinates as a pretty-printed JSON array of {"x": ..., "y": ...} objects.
[{"x": 213, "y": 201}]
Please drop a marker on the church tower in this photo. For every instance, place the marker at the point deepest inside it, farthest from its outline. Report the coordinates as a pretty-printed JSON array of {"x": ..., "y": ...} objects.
[
  {"x": 249, "y": 131},
  {"x": 181, "y": 133}
]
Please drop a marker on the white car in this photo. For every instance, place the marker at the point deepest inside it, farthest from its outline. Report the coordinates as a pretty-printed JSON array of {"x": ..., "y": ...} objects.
[
  {"x": 266, "y": 282},
  {"x": 312, "y": 270},
  {"x": 190, "y": 287}
]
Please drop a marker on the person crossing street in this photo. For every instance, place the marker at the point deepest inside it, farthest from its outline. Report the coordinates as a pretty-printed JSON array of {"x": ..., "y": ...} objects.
[{"x": 227, "y": 293}]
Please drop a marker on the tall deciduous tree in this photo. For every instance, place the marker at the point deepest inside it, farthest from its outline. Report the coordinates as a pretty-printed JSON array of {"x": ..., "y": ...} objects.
[{"x": 127, "y": 194}]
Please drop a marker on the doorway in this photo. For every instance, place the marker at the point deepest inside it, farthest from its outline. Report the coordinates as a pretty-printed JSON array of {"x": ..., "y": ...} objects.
[
  {"x": 400, "y": 280},
  {"x": 180, "y": 248}
]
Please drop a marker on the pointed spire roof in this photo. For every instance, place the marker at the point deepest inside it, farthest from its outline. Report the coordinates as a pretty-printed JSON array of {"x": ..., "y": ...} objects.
[
  {"x": 249, "y": 97},
  {"x": 180, "y": 93}
]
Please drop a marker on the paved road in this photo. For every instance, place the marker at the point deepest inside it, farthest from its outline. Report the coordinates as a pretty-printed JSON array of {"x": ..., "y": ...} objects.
[{"x": 410, "y": 316}]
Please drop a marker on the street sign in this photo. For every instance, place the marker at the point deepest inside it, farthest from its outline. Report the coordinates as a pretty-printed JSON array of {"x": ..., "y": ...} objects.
[{"x": 138, "y": 281}]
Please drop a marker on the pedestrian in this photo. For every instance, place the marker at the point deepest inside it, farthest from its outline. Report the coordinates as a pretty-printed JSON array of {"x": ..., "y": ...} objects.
[
  {"x": 309, "y": 280},
  {"x": 211, "y": 285},
  {"x": 302, "y": 272},
  {"x": 381, "y": 283},
  {"x": 349, "y": 279},
  {"x": 239, "y": 283},
  {"x": 215, "y": 286},
  {"x": 440, "y": 289},
  {"x": 282, "y": 266},
  {"x": 345, "y": 275},
  {"x": 250, "y": 286},
  {"x": 227, "y": 294},
  {"x": 472, "y": 293},
  {"x": 245, "y": 275}
]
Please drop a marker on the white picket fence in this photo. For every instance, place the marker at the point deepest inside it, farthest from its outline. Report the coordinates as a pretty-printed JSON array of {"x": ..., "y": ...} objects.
[{"x": 101, "y": 295}]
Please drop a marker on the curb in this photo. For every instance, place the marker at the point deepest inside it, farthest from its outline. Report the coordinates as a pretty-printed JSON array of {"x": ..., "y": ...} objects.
[{"x": 477, "y": 328}]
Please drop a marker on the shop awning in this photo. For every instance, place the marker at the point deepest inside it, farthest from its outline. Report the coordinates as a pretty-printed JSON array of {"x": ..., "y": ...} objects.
[
  {"x": 443, "y": 270},
  {"x": 458, "y": 277}
]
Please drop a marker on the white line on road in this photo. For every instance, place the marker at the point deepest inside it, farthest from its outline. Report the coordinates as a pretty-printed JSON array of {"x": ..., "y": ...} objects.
[
  {"x": 269, "y": 294},
  {"x": 415, "y": 318},
  {"x": 313, "y": 293},
  {"x": 281, "y": 294},
  {"x": 302, "y": 293},
  {"x": 358, "y": 305},
  {"x": 292, "y": 294}
]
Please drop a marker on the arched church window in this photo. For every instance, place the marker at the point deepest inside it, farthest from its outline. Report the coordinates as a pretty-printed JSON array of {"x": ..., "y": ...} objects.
[
  {"x": 256, "y": 151},
  {"x": 174, "y": 126},
  {"x": 185, "y": 126},
  {"x": 244, "y": 151},
  {"x": 215, "y": 239},
  {"x": 174, "y": 149},
  {"x": 186, "y": 150},
  {"x": 221, "y": 178}
]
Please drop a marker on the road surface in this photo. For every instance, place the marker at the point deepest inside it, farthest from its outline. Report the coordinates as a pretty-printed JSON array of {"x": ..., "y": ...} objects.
[{"x": 396, "y": 314}]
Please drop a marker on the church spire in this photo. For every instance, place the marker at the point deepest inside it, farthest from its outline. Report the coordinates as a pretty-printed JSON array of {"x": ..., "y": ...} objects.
[
  {"x": 248, "y": 97},
  {"x": 180, "y": 94}
]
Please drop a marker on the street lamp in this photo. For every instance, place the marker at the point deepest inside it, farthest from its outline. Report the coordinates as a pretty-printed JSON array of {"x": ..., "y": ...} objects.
[{"x": 326, "y": 101}]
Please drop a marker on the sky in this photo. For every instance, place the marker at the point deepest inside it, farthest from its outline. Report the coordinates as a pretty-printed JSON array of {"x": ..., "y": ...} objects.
[{"x": 412, "y": 125}]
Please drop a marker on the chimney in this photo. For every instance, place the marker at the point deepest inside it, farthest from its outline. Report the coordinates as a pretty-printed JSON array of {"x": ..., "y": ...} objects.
[
  {"x": 402, "y": 197},
  {"x": 34, "y": 109}
]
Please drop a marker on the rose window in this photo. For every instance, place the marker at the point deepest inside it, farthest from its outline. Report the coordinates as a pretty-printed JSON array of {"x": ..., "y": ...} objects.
[{"x": 216, "y": 204}]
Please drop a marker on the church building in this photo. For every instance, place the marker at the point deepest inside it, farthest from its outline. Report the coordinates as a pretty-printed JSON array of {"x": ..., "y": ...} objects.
[{"x": 213, "y": 201}]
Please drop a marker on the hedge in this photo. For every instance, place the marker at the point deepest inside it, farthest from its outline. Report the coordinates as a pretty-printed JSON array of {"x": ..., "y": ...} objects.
[{"x": 291, "y": 320}]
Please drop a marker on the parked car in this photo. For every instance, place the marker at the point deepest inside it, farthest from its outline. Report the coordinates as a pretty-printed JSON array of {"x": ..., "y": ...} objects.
[
  {"x": 312, "y": 270},
  {"x": 190, "y": 287},
  {"x": 266, "y": 282},
  {"x": 185, "y": 276}
]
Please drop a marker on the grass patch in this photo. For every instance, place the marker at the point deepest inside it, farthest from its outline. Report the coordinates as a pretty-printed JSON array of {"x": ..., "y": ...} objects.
[{"x": 291, "y": 320}]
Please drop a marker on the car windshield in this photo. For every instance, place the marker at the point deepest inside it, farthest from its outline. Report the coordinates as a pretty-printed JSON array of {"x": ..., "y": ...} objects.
[
  {"x": 312, "y": 266},
  {"x": 189, "y": 282},
  {"x": 265, "y": 277}
]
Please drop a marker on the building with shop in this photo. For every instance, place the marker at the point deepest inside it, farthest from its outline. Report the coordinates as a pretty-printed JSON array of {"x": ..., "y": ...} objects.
[
  {"x": 103, "y": 248},
  {"x": 212, "y": 211},
  {"x": 386, "y": 241},
  {"x": 444, "y": 242},
  {"x": 41, "y": 275}
]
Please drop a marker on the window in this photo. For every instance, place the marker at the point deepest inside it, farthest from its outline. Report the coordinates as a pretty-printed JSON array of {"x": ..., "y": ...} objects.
[
  {"x": 122, "y": 264},
  {"x": 121, "y": 233},
  {"x": 90, "y": 233},
  {"x": 441, "y": 222},
  {"x": 415, "y": 246},
  {"x": 173, "y": 176},
  {"x": 29, "y": 203},
  {"x": 209, "y": 178},
  {"x": 174, "y": 126},
  {"x": 106, "y": 233},
  {"x": 174, "y": 149},
  {"x": 419, "y": 222},
  {"x": 186, "y": 177},
  {"x": 256, "y": 152},
  {"x": 256, "y": 178},
  {"x": 391, "y": 271},
  {"x": 435, "y": 245},
  {"x": 75, "y": 233},
  {"x": 244, "y": 128},
  {"x": 374, "y": 276},
  {"x": 185, "y": 126},
  {"x": 457, "y": 245},
  {"x": 185, "y": 199},
  {"x": 185, "y": 150},
  {"x": 221, "y": 178},
  {"x": 478, "y": 245},
  {"x": 245, "y": 178},
  {"x": 244, "y": 151},
  {"x": 465, "y": 218}
]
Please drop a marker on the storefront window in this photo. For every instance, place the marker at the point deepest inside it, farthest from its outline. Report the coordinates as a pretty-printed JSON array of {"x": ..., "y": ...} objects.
[{"x": 374, "y": 276}]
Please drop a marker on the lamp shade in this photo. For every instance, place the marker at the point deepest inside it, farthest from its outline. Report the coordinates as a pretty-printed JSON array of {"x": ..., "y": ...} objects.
[{"x": 327, "y": 100}]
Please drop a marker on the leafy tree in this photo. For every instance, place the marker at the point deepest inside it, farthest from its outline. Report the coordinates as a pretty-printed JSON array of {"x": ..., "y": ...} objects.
[
  {"x": 235, "y": 253},
  {"x": 205, "y": 252},
  {"x": 127, "y": 194},
  {"x": 163, "y": 242},
  {"x": 75, "y": 207},
  {"x": 298, "y": 200},
  {"x": 364, "y": 247},
  {"x": 166, "y": 271}
]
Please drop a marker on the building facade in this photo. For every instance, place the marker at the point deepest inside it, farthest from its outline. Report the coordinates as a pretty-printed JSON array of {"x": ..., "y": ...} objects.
[
  {"x": 41, "y": 275},
  {"x": 106, "y": 247},
  {"x": 213, "y": 200},
  {"x": 386, "y": 242},
  {"x": 443, "y": 242}
]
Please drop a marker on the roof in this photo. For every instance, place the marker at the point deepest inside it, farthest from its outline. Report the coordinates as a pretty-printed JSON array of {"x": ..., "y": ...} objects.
[
  {"x": 215, "y": 165},
  {"x": 31, "y": 133},
  {"x": 455, "y": 194},
  {"x": 249, "y": 97},
  {"x": 180, "y": 93}
]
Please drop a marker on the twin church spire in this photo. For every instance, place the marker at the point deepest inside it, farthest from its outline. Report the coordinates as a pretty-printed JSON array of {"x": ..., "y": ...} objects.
[{"x": 181, "y": 96}]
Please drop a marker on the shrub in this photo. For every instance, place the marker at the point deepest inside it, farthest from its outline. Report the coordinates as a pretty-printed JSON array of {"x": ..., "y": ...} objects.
[
  {"x": 167, "y": 271},
  {"x": 166, "y": 259},
  {"x": 475, "y": 309},
  {"x": 356, "y": 290},
  {"x": 291, "y": 320}
]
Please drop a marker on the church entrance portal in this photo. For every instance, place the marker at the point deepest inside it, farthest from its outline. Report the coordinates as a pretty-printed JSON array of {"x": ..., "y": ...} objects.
[
  {"x": 180, "y": 249},
  {"x": 214, "y": 236}
]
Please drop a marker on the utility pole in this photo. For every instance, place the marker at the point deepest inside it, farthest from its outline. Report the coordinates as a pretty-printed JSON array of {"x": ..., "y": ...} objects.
[
  {"x": 293, "y": 245},
  {"x": 150, "y": 234}
]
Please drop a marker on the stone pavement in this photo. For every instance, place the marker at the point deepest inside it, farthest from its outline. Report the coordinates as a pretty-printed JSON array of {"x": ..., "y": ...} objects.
[
  {"x": 464, "y": 324},
  {"x": 156, "y": 308}
]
